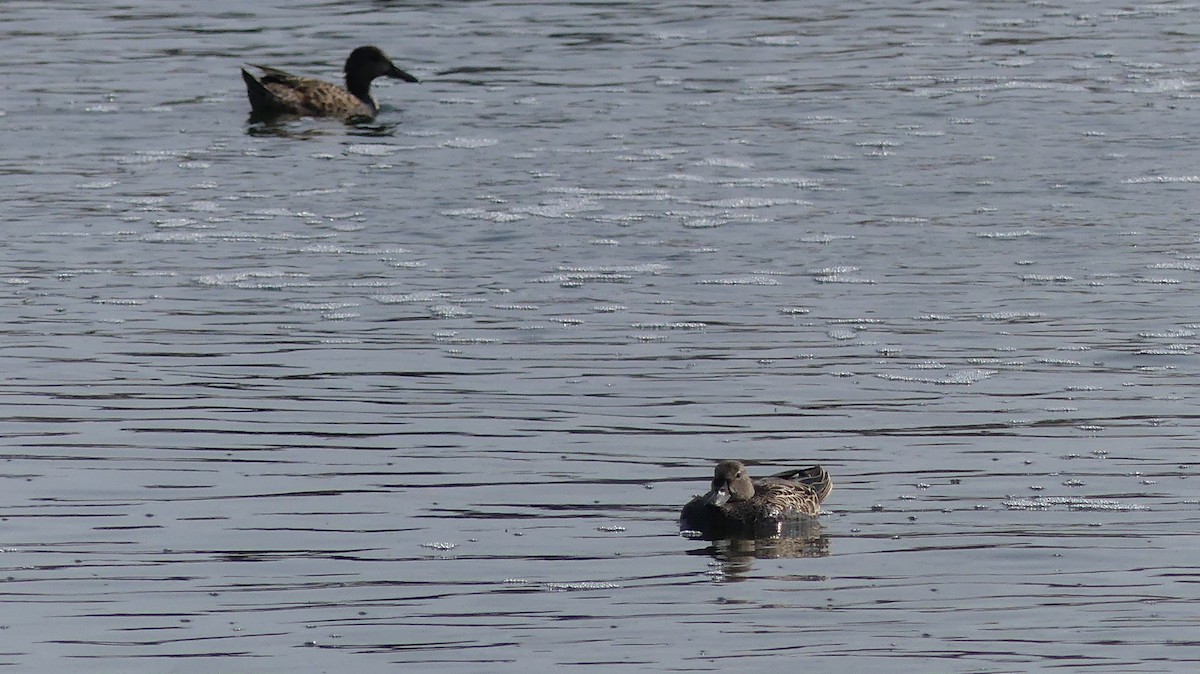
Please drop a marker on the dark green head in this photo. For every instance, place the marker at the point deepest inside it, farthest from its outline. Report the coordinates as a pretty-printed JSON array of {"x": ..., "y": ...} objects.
[{"x": 367, "y": 63}]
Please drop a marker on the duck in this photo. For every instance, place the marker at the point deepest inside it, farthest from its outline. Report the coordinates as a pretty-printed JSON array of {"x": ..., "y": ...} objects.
[
  {"x": 277, "y": 93},
  {"x": 737, "y": 506}
]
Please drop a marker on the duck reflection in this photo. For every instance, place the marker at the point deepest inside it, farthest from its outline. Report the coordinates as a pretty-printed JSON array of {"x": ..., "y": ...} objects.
[
  {"x": 798, "y": 538},
  {"x": 299, "y": 130}
]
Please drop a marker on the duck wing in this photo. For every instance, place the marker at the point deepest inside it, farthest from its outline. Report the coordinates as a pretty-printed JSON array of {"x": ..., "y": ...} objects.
[
  {"x": 814, "y": 479},
  {"x": 310, "y": 96}
]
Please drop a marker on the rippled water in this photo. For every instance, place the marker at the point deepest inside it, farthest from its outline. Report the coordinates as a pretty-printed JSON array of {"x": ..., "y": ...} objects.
[{"x": 432, "y": 390}]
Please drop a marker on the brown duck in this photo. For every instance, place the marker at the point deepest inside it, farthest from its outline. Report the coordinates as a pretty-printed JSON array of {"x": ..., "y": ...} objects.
[
  {"x": 738, "y": 507},
  {"x": 277, "y": 93}
]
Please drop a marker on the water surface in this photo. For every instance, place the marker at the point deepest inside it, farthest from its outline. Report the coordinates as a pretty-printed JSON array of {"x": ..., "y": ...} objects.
[{"x": 430, "y": 391}]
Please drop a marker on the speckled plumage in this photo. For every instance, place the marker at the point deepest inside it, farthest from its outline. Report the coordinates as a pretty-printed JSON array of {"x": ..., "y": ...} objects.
[
  {"x": 277, "y": 93},
  {"x": 737, "y": 506}
]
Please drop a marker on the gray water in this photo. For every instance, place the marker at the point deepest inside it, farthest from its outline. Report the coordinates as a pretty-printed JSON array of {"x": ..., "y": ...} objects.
[{"x": 431, "y": 391}]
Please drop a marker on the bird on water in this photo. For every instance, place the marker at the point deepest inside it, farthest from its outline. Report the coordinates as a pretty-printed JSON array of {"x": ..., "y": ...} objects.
[
  {"x": 277, "y": 93},
  {"x": 737, "y": 506}
]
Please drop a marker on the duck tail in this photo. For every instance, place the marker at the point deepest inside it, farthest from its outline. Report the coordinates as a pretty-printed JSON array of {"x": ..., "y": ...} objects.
[
  {"x": 818, "y": 478},
  {"x": 262, "y": 100},
  {"x": 260, "y": 97}
]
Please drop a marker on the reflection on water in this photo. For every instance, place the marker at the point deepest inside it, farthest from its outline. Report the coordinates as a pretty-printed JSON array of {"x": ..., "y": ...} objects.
[
  {"x": 305, "y": 129},
  {"x": 431, "y": 391},
  {"x": 298, "y": 129},
  {"x": 801, "y": 538}
]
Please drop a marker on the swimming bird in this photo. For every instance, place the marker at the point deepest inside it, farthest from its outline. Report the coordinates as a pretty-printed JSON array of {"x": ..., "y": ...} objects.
[
  {"x": 279, "y": 93},
  {"x": 737, "y": 506}
]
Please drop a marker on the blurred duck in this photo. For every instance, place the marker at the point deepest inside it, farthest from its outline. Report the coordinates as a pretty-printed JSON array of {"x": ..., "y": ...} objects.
[{"x": 277, "y": 93}]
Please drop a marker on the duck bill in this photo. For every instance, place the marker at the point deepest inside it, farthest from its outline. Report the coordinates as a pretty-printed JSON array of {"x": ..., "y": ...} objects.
[
  {"x": 718, "y": 497},
  {"x": 401, "y": 75}
]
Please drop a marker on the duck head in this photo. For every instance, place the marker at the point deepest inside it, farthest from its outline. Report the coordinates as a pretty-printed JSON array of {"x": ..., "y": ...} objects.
[
  {"x": 367, "y": 63},
  {"x": 730, "y": 482}
]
